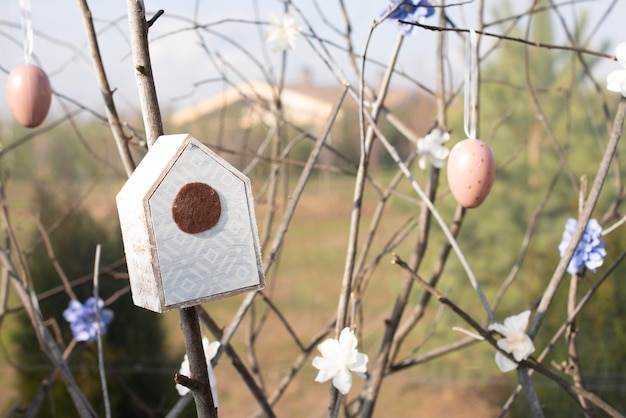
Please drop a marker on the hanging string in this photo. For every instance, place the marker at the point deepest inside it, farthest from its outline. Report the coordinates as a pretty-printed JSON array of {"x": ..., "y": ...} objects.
[
  {"x": 471, "y": 84},
  {"x": 27, "y": 30}
]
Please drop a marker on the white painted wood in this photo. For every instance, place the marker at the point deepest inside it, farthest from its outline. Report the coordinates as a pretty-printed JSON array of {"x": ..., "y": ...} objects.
[{"x": 169, "y": 268}]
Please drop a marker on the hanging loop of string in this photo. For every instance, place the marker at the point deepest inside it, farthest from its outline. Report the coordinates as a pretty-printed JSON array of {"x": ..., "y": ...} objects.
[
  {"x": 27, "y": 30},
  {"x": 471, "y": 84}
]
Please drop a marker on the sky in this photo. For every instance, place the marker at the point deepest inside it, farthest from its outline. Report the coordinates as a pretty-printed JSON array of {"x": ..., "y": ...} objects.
[{"x": 187, "y": 71}]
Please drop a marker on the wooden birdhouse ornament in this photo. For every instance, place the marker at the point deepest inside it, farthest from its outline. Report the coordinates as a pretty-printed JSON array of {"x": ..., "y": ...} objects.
[{"x": 188, "y": 226}]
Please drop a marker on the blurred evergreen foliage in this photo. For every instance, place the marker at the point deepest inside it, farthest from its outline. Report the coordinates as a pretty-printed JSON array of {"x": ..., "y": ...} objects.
[
  {"x": 512, "y": 120},
  {"x": 140, "y": 377}
]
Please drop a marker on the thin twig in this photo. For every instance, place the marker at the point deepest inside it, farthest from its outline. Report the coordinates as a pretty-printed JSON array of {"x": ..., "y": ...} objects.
[
  {"x": 514, "y": 39},
  {"x": 96, "y": 295},
  {"x": 55, "y": 262},
  {"x": 583, "y": 218},
  {"x": 489, "y": 338},
  {"x": 198, "y": 383},
  {"x": 114, "y": 121},
  {"x": 573, "y": 363},
  {"x": 420, "y": 308},
  {"x": 443, "y": 299},
  {"x": 367, "y": 138},
  {"x": 529, "y": 391},
  {"x": 241, "y": 368},
  {"x": 297, "y": 365},
  {"x": 432, "y": 354},
  {"x": 470, "y": 274},
  {"x": 279, "y": 237},
  {"x": 46, "y": 383},
  {"x": 388, "y": 346},
  {"x": 530, "y": 229},
  {"x": 143, "y": 70},
  {"x": 4, "y": 273},
  {"x": 575, "y": 312},
  {"x": 46, "y": 341}
]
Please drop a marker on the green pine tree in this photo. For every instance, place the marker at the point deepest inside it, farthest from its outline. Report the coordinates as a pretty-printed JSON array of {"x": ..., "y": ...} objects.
[{"x": 139, "y": 376}]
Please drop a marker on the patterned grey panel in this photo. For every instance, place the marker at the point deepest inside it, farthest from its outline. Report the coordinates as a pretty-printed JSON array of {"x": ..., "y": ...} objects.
[{"x": 216, "y": 261}]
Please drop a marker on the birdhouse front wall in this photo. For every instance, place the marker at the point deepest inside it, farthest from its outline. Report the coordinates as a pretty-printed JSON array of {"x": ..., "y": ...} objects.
[
  {"x": 188, "y": 225},
  {"x": 209, "y": 264}
]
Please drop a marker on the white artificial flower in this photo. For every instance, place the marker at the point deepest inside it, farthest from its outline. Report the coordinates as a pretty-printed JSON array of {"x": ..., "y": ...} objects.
[
  {"x": 514, "y": 340},
  {"x": 210, "y": 350},
  {"x": 282, "y": 33},
  {"x": 339, "y": 358},
  {"x": 616, "y": 80},
  {"x": 431, "y": 149}
]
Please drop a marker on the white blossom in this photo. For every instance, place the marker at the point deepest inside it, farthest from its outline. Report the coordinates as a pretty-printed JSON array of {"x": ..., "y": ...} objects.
[
  {"x": 340, "y": 358},
  {"x": 431, "y": 149},
  {"x": 210, "y": 350},
  {"x": 282, "y": 33},
  {"x": 514, "y": 340},
  {"x": 616, "y": 80}
]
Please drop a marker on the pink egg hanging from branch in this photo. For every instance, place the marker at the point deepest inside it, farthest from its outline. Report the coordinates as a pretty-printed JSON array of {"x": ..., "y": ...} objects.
[
  {"x": 29, "y": 94},
  {"x": 471, "y": 172}
]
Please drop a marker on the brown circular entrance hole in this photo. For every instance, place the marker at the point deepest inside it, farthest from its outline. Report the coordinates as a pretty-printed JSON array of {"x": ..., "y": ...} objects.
[{"x": 196, "y": 208}]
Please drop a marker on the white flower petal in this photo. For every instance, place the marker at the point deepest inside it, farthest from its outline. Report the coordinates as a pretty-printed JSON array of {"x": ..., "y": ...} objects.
[
  {"x": 499, "y": 328},
  {"x": 330, "y": 348},
  {"x": 505, "y": 344},
  {"x": 347, "y": 340},
  {"x": 431, "y": 150},
  {"x": 440, "y": 153},
  {"x": 620, "y": 53},
  {"x": 185, "y": 371},
  {"x": 327, "y": 369},
  {"x": 359, "y": 363},
  {"x": 422, "y": 162},
  {"x": 324, "y": 375},
  {"x": 514, "y": 341},
  {"x": 182, "y": 390},
  {"x": 518, "y": 322},
  {"x": 282, "y": 33},
  {"x": 210, "y": 350},
  {"x": 343, "y": 381},
  {"x": 504, "y": 363},
  {"x": 615, "y": 80},
  {"x": 213, "y": 383},
  {"x": 339, "y": 358},
  {"x": 184, "y": 366},
  {"x": 523, "y": 349},
  {"x": 437, "y": 162},
  {"x": 422, "y": 146}
]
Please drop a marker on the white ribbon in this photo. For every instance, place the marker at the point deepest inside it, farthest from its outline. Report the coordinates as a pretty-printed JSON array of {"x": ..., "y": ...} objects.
[
  {"x": 471, "y": 84},
  {"x": 27, "y": 30}
]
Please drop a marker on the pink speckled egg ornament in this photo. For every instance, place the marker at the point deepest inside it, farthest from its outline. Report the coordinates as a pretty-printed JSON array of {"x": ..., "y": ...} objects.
[
  {"x": 471, "y": 171},
  {"x": 29, "y": 95}
]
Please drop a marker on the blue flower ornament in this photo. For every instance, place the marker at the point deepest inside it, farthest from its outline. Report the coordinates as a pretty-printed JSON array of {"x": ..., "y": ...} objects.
[
  {"x": 83, "y": 318},
  {"x": 590, "y": 251},
  {"x": 409, "y": 11}
]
